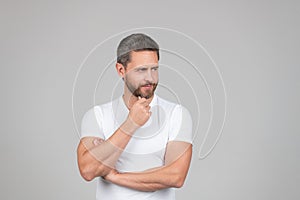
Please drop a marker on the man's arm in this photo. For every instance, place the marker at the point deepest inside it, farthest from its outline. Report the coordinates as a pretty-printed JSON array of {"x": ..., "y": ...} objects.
[
  {"x": 173, "y": 174},
  {"x": 98, "y": 159}
]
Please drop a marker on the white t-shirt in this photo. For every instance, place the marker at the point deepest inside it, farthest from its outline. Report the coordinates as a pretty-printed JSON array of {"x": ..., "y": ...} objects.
[{"x": 146, "y": 149}]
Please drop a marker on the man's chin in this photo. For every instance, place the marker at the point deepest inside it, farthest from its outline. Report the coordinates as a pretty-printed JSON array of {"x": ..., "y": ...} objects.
[
  {"x": 148, "y": 96},
  {"x": 144, "y": 95}
]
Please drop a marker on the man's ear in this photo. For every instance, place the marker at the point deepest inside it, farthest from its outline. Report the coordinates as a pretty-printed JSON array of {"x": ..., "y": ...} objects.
[{"x": 120, "y": 69}]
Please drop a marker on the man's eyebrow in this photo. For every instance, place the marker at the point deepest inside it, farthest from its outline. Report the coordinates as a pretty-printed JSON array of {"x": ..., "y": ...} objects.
[
  {"x": 140, "y": 67},
  {"x": 145, "y": 67}
]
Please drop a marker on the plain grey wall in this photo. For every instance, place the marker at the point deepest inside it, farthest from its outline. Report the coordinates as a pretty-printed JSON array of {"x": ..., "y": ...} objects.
[{"x": 254, "y": 43}]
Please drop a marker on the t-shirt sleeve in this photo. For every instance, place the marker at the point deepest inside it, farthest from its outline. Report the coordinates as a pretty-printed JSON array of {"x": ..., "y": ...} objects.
[
  {"x": 181, "y": 125},
  {"x": 91, "y": 124}
]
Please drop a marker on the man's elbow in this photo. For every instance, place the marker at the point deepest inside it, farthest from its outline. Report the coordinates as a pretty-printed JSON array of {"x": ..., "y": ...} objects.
[
  {"x": 90, "y": 172},
  {"x": 87, "y": 174},
  {"x": 179, "y": 184},
  {"x": 178, "y": 181},
  {"x": 87, "y": 177}
]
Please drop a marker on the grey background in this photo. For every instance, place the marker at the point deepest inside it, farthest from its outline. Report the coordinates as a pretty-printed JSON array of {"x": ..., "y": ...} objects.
[{"x": 254, "y": 43}]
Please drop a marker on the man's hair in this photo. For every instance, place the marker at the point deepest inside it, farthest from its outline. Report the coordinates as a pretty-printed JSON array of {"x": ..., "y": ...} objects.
[{"x": 135, "y": 42}]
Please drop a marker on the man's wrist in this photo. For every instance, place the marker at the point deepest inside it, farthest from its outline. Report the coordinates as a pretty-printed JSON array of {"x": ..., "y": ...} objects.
[{"x": 129, "y": 126}]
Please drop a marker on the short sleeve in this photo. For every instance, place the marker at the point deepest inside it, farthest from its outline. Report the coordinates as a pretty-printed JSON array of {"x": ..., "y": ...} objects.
[
  {"x": 181, "y": 125},
  {"x": 91, "y": 124}
]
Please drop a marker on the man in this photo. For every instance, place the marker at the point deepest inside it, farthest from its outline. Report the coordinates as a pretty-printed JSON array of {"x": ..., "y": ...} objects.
[{"x": 138, "y": 146}]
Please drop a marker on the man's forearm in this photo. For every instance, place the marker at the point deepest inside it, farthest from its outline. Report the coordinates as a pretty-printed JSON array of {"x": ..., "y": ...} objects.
[
  {"x": 171, "y": 175},
  {"x": 160, "y": 178}
]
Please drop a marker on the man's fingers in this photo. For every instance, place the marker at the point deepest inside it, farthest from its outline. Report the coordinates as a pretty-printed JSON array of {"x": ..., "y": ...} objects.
[
  {"x": 141, "y": 99},
  {"x": 144, "y": 101}
]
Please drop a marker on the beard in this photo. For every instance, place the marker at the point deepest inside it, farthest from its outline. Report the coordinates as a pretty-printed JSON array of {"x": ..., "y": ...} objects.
[{"x": 141, "y": 91}]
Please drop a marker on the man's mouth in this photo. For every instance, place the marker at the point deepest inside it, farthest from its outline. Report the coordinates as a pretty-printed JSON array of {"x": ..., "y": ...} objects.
[{"x": 147, "y": 86}]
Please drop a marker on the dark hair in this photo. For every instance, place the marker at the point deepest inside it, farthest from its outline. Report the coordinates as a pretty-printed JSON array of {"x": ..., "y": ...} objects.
[{"x": 135, "y": 42}]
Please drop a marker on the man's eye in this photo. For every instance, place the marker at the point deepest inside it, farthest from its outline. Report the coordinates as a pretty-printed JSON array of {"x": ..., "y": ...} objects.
[
  {"x": 155, "y": 68},
  {"x": 142, "y": 69}
]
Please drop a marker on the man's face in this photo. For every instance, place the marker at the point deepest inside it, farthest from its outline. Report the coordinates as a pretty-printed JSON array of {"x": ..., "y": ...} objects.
[{"x": 141, "y": 74}]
